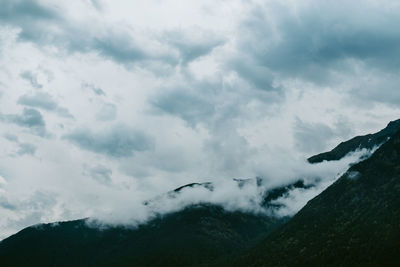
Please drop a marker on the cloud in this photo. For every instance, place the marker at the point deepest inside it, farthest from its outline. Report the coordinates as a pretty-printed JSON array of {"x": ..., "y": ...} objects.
[
  {"x": 101, "y": 174},
  {"x": 97, "y": 90},
  {"x": 31, "y": 210},
  {"x": 26, "y": 149},
  {"x": 186, "y": 104},
  {"x": 107, "y": 112},
  {"x": 11, "y": 137},
  {"x": 23, "y": 148},
  {"x": 43, "y": 101},
  {"x": 117, "y": 141},
  {"x": 314, "y": 137},
  {"x": 38, "y": 100},
  {"x": 192, "y": 43},
  {"x": 31, "y": 78},
  {"x": 326, "y": 43},
  {"x": 31, "y": 119},
  {"x": 47, "y": 25}
]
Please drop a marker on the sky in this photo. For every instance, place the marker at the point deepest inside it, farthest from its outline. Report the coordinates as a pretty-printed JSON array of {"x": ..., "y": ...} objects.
[{"x": 106, "y": 104}]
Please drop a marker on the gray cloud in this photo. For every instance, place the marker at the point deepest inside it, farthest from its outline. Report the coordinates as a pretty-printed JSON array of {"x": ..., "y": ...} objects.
[
  {"x": 17, "y": 11},
  {"x": 5, "y": 204},
  {"x": 186, "y": 104},
  {"x": 96, "y": 4},
  {"x": 26, "y": 149},
  {"x": 312, "y": 137},
  {"x": 118, "y": 141},
  {"x": 48, "y": 26},
  {"x": 97, "y": 90},
  {"x": 23, "y": 148},
  {"x": 101, "y": 174},
  {"x": 31, "y": 119},
  {"x": 319, "y": 42},
  {"x": 38, "y": 100},
  {"x": 43, "y": 101},
  {"x": 31, "y": 78},
  {"x": 193, "y": 46},
  {"x": 11, "y": 137},
  {"x": 108, "y": 112},
  {"x": 315, "y": 137}
]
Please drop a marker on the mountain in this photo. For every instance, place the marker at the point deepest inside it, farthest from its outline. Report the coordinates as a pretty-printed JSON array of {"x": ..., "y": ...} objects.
[
  {"x": 197, "y": 235},
  {"x": 354, "y": 222},
  {"x": 368, "y": 141}
]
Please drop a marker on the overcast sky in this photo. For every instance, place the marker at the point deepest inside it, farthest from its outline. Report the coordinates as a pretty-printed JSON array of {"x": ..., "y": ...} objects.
[{"x": 107, "y": 103}]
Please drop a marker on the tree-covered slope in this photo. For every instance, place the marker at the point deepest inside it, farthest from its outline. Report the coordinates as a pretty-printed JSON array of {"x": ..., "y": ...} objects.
[
  {"x": 355, "y": 222},
  {"x": 195, "y": 236}
]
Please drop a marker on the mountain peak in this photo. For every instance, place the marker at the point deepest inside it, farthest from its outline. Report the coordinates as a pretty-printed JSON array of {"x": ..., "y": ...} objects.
[{"x": 368, "y": 141}]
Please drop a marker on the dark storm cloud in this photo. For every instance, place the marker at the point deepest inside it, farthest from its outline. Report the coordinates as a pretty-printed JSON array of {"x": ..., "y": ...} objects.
[
  {"x": 315, "y": 40},
  {"x": 43, "y": 101},
  {"x": 30, "y": 118},
  {"x": 43, "y": 25},
  {"x": 118, "y": 141}
]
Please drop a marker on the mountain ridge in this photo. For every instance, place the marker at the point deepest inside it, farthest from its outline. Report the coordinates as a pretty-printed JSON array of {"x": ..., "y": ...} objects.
[
  {"x": 207, "y": 235},
  {"x": 368, "y": 141},
  {"x": 354, "y": 222}
]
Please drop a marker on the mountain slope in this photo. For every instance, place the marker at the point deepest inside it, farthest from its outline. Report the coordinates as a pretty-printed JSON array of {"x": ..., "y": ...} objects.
[
  {"x": 366, "y": 141},
  {"x": 195, "y": 236},
  {"x": 355, "y": 222}
]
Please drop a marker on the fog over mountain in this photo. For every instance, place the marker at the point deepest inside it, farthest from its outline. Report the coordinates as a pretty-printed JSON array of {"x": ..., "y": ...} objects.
[{"x": 106, "y": 106}]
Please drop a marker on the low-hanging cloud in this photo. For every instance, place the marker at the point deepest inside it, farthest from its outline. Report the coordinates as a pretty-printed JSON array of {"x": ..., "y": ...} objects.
[{"x": 244, "y": 195}]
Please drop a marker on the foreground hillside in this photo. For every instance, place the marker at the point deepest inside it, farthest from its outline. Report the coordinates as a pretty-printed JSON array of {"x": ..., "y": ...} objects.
[
  {"x": 355, "y": 222},
  {"x": 197, "y": 235}
]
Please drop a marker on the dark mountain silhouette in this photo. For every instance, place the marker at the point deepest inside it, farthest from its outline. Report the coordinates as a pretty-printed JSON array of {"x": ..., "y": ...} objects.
[
  {"x": 359, "y": 142},
  {"x": 355, "y": 222},
  {"x": 197, "y": 235}
]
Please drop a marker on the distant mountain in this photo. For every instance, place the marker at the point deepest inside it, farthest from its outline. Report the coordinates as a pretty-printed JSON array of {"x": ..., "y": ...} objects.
[
  {"x": 359, "y": 142},
  {"x": 197, "y": 235},
  {"x": 355, "y": 222}
]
